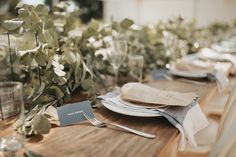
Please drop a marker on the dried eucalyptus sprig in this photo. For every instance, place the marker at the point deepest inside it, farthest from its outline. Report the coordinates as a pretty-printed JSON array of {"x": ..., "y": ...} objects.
[{"x": 52, "y": 70}]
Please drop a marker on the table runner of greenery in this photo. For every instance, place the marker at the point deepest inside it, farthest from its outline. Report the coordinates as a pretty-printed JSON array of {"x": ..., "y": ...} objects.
[{"x": 55, "y": 55}]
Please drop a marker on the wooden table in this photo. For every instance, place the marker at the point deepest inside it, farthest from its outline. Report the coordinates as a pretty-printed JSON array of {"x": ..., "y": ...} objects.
[{"x": 84, "y": 140}]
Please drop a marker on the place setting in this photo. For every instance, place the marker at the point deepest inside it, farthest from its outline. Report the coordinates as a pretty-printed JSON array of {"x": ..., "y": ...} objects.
[
  {"x": 140, "y": 100},
  {"x": 226, "y": 46},
  {"x": 196, "y": 67}
]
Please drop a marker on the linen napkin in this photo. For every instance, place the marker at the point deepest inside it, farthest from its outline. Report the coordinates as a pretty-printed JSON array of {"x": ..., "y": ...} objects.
[
  {"x": 214, "y": 71},
  {"x": 148, "y": 96},
  {"x": 210, "y": 54},
  {"x": 224, "y": 48},
  {"x": 187, "y": 119}
]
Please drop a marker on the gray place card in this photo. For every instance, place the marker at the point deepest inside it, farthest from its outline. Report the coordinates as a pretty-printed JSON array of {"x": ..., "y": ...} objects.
[{"x": 71, "y": 113}]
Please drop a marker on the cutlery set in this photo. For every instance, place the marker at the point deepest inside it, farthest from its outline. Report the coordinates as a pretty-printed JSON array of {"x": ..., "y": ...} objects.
[{"x": 100, "y": 124}]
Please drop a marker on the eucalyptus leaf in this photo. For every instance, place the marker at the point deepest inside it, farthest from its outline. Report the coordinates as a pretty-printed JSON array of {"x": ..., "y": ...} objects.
[
  {"x": 59, "y": 72},
  {"x": 49, "y": 65},
  {"x": 62, "y": 81},
  {"x": 87, "y": 84},
  {"x": 42, "y": 9},
  {"x": 55, "y": 91},
  {"x": 116, "y": 26},
  {"x": 57, "y": 65},
  {"x": 70, "y": 57},
  {"x": 34, "y": 50},
  {"x": 41, "y": 58},
  {"x": 41, "y": 124},
  {"x": 78, "y": 59},
  {"x": 94, "y": 25},
  {"x": 62, "y": 5},
  {"x": 32, "y": 90},
  {"x": 126, "y": 23},
  {"x": 86, "y": 69},
  {"x": 91, "y": 30},
  {"x": 35, "y": 17},
  {"x": 88, "y": 33},
  {"x": 26, "y": 59},
  {"x": 45, "y": 99},
  {"x": 20, "y": 5},
  {"x": 13, "y": 24},
  {"x": 42, "y": 87},
  {"x": 49, "y": 37},
  {"x": 36, "y": 27},
  {"x": 78, "y": 74}
]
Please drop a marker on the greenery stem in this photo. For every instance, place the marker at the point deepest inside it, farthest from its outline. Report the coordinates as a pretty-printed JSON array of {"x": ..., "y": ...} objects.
[
  {"x": 39, "y": 73},
  {"x": 11, "y": 59}
]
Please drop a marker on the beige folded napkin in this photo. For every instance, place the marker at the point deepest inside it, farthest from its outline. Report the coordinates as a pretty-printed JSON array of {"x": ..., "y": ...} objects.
[
  {"x": 218, "y": 71},
  {"x": 196, "y": 66},
  {"x": 210, "y": 54},
  {"x": 141, "y": 93},
  {"x": 192, "y": 63}
]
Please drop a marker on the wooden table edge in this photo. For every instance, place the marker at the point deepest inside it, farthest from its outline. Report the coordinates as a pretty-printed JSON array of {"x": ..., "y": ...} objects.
[{"x": 173, "y": 144}]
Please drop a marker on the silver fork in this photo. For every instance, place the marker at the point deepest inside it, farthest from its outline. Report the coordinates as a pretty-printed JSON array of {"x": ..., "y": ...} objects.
[{"x": 100, "y": 124}]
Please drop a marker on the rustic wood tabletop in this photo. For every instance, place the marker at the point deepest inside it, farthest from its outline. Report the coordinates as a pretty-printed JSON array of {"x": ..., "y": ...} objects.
[{"x": 85, "y": 140}]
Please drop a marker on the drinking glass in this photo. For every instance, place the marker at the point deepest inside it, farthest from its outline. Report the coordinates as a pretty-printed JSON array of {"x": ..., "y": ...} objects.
[
  {"x": 135, "y": 63},
  {"x": 12, "y": 110},
  {"x": 116, "y": 55}
]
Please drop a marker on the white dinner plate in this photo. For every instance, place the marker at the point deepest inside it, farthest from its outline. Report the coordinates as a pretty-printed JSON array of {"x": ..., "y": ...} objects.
[
  {"x": 122, "y": 109},
  {"x": 222, "y": 49},
  {"x": 188, "y": 74}
]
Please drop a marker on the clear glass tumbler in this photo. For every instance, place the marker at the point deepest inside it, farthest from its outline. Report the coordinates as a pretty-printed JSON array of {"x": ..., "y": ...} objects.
[{"x": 11, "y": 110}]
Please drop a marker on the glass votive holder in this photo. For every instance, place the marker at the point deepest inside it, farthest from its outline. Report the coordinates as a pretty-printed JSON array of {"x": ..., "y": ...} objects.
[{"x": 10, "y": 97}]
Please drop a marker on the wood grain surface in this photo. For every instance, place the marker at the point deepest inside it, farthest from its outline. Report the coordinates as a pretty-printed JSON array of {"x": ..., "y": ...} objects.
[{"x": 84, "y": 140}]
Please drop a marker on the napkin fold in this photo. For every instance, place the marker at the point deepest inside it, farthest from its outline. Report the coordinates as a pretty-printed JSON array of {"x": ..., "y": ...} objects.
[
  {"x": 210, "y": 54},
  {"x": 149, "y": 96},
  {"x": 194, "y": 65},
  {"x": 215, "y": 71},
  {"x": 224, "y": 47},
  {"x": 187, "y": 119}
]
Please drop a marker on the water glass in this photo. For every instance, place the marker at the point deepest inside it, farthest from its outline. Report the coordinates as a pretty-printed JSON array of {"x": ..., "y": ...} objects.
[
  {"x": 12, "y": 110},
  {"x": 135, "y": 63},
  {"x": 116, "y": 55}
]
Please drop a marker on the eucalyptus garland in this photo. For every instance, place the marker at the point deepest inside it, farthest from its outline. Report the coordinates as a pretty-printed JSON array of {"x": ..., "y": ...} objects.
[
  {"x": 52, "y": 69},
  {"x": 55, "y": 55}
]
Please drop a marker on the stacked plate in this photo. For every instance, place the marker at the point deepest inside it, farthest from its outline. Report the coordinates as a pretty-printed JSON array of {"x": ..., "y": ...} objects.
[
  {"x": 226, "y": 46},
  {"x": 191, "y": 66},
  {"x": 136, "y": 99},
  {"x": 203, "y": 64},
  {"x": 116, "y": 104}
]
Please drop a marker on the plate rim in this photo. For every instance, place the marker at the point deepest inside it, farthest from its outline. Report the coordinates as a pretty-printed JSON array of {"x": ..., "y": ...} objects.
[
  {"x": 134, "y": 114},
  {"x": 186, "y": 74}
]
